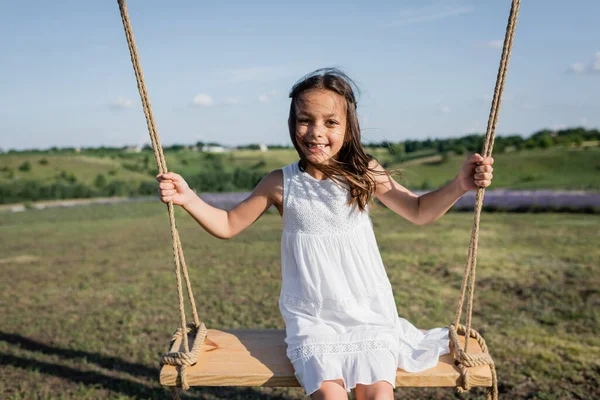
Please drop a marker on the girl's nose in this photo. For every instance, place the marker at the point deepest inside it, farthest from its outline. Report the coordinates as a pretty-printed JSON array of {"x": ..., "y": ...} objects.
[{"x": 315, "y": 131}]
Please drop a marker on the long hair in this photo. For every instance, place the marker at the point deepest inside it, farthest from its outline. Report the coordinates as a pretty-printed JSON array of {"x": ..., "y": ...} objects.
[{"x": 351, "y": 164}]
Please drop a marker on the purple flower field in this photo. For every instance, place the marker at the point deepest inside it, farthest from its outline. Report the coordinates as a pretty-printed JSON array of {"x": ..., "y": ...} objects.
[{"x": 499, "y": 199}]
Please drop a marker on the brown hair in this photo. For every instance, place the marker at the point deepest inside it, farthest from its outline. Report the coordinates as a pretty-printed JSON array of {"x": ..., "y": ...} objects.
[{"x": 352, "y": 164}]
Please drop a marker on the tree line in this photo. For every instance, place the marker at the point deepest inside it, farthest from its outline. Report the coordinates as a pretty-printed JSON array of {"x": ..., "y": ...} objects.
[{"x": 468, "y": 143}]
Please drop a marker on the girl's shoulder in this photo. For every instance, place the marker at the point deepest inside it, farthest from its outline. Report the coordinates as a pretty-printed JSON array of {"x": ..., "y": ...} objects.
[
  {"x": 275, "y": 178},
  {"x": 376, "y": 170}
]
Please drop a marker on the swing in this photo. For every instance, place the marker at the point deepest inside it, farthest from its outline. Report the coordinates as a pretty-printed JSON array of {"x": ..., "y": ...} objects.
[{"x": 258, "y": 357}]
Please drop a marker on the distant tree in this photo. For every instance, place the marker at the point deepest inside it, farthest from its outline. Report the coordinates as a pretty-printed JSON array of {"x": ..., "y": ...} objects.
[
  {"x": 43, "y": 161},
  {"x": 70, "y": 178},
  {"x": 544, "y": 142},
  {"x": 459, "y": 149},
  {"x": 175, "y": 147},
  {"x": 530, "y": 144},
  {"x": 25, "y": 166},
  {"x": 100, "y": 181},
  {"x": 252, "y": 146},
  {"x": 441, "y": 146}
]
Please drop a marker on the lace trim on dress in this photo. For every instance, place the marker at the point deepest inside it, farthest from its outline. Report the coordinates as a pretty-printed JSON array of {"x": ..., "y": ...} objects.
[
  {"x": 336, "y": 348},
  {"x": 337, "y": 305}
]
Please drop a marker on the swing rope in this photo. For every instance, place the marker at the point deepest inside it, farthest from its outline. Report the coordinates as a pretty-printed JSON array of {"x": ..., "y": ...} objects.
[
  {"x": 197, "y": 328},
  {"x": 463, "y": 360}
]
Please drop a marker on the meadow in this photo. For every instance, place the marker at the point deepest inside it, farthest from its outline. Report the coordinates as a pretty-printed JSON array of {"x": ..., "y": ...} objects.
[{"x": 89, "y": 303}]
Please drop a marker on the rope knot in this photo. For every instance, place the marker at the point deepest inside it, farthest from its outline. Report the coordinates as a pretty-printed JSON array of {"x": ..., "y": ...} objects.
[
  {"x": 184, "y": 359},
  {"x": 464, "y": 360}
]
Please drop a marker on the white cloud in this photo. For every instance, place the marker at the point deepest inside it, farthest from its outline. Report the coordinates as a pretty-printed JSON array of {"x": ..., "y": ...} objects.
[
  {"x": 577, "y": 68},
  {"x": 444, "y": 109},
  {"x": 121, "y": 104},
  {"x": 591, "y": 68},
  {"x": 496, "y": 44},
  {"x": 202, "y": 99},
  {"x": 205, "y": 100},
  {"x": 428, "y": 14},
  {"x": 265, "y": 98}
]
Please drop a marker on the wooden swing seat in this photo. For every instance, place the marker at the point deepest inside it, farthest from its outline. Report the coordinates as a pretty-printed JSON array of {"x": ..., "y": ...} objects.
[{"x": 258, "y": 358}]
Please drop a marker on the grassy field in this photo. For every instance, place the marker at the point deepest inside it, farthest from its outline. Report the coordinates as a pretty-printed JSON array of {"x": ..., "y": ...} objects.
[
  {"x": 553, "y": 168},
  {"x": 89, "y": 303}
]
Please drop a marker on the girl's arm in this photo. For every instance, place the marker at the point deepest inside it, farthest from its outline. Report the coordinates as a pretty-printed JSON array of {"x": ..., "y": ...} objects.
[
  {"x": 221, "y": 223},
  {"x": 475, "y": 172}
]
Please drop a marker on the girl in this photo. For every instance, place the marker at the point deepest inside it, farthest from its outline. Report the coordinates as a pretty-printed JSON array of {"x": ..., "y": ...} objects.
[{"x": 342, "y": 326}]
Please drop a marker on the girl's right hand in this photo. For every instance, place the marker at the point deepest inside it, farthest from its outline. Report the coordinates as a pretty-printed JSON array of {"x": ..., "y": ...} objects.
[{"x": 172, "y": 187}]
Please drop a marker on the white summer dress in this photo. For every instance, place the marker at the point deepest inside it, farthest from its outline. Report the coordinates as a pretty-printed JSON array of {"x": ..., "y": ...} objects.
[{"x": 336, "y": 298}]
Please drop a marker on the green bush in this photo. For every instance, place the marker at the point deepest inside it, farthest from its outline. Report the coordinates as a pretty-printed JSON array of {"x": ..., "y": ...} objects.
[
  {"x": 25, "y": 167},
  {"x": 100, "y": 181}
]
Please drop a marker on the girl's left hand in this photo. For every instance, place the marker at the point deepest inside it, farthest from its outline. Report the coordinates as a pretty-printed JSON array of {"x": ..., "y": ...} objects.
[{"x": 476, "y": 172}]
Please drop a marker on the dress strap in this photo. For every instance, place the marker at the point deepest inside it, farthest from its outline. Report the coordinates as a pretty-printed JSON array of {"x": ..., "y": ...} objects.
[{"x": 288, "y": 173}]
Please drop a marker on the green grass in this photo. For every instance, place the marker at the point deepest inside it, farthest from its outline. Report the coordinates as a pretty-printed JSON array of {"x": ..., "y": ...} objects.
[
  {"x": 554, "y": 168},
  {"x": 84, "y": 168},
  {"x": 89, "y": 302}
]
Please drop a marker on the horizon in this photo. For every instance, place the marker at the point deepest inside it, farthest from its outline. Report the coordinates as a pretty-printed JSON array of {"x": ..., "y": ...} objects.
[
  {"x": 222, "y": 73},
  {"x": 269, "y": 145}
]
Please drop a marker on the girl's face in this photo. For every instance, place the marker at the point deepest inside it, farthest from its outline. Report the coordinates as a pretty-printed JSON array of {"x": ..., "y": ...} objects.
[{"x": 320, "y": 124}]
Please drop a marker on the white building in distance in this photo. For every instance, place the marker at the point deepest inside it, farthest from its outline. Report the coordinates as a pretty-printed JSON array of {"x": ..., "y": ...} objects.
[{"x": 215, "y": 149}]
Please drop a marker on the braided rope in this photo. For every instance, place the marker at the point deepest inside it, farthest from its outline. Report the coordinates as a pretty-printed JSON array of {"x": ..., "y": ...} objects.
[
  {"x": 462, "y": 358},
  {"x": 187, "y": 357}
]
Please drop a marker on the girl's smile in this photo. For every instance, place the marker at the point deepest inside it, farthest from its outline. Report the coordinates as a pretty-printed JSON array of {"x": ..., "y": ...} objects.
[{"x": 315, "y": 148}]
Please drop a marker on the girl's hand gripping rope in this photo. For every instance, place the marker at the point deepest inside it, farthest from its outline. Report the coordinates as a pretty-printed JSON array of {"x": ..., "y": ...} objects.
[
  {"x": 172, "y": 187},
  {"x": 476, "y": 172}
]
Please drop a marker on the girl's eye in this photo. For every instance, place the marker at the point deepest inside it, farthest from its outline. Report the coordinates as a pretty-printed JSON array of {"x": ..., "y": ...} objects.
[
  {"x": 302, "y": 121},
  {"x": 332, "y": 122}
]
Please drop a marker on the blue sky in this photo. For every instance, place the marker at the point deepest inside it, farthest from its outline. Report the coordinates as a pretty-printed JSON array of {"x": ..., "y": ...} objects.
[{"x": 222, "y": 71}]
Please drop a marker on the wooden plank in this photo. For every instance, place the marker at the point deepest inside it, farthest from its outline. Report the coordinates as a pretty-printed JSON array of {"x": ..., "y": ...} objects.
[{"x": 257, "y": 358}]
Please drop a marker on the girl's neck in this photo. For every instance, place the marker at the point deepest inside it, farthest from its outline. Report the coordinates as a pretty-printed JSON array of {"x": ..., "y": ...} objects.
[{"x": 315, "y": 173}]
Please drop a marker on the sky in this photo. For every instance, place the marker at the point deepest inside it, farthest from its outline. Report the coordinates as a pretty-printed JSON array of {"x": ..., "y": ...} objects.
[{"x": 222, "y": 71}]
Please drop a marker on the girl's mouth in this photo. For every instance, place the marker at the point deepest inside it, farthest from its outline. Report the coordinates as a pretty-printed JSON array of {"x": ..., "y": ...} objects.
[{"x": 316, "y": 148}]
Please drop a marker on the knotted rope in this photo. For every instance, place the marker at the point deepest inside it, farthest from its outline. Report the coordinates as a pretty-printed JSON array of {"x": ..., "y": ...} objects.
[
  {"x": 462, "y": 358},
  {"x": 186, "y": 357}
]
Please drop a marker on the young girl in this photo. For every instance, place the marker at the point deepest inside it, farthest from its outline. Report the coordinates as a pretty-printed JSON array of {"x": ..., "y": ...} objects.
[{"x": 342, "y": 326}]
